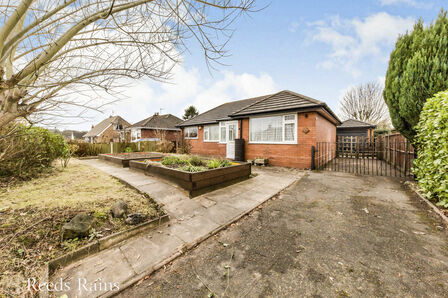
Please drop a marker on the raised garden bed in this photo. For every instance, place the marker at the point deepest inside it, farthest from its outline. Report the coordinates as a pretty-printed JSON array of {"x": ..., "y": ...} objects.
[
  {"x": 199, "y": 182},
  {"x": 123, "y": 159}
]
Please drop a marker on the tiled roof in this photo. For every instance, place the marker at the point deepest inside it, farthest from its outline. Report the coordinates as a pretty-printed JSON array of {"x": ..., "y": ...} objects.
[
  {"x": 100, "y": 127},
  {"x": 221, "y": 112},
  {"x": 355, "y": 123},
  {"x": 166, "y": 121},
  {"x": 281, "y": 101}
]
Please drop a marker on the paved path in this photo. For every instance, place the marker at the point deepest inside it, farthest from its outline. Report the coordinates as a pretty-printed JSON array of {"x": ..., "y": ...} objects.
[
  {"x": 192, "y": 221},
  {"x": 329, "y": 235}
]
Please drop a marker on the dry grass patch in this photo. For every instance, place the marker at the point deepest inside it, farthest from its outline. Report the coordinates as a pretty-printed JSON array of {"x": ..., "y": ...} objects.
[{"x": 33, "y": 213}]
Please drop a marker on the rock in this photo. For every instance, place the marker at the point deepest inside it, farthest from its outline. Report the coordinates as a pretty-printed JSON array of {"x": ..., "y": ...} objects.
[
  {"x": 135, "y": 218},
  {"x": 79, "y": 226},
  {"x": 261, "y": 161},
  {"x": 119, "y": 209}
]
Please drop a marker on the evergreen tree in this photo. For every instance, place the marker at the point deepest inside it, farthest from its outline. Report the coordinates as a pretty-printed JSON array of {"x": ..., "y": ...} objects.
[
  {"x": 418, "y": 69},
  {"x": 190, "y": 112}
]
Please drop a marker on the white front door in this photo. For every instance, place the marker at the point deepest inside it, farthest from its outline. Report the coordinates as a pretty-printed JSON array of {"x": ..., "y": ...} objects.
[{"x": 231, "y": 131}]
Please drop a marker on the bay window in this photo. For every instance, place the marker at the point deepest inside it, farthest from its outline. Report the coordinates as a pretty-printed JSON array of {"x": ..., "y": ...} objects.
[
  {"x": 191, "y": 132},
  {"x": 273, "y": 129},
  {"x": 211, "y": 133}
]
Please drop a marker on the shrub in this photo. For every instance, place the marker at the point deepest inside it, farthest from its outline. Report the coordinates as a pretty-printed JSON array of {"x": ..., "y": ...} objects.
[
  {"x": 165, "y": 146},
  {"x": 192, "y": 168},
  {"x": 67, "y": 154},
  {"x": 26, "y": 151},
  {"x": 218, "y": 163},
  {"x": 379, "y": 131},
  {"x": 184, "y": 146},
  {"x": 418, "y": 69},
  {"x": 431, "y": 165},
  {"x": 128, "y": 150},
  {"x": 173, "y": 160},
  {"x": 196, "y": 161},
  {"x": 86, "y": 149}
]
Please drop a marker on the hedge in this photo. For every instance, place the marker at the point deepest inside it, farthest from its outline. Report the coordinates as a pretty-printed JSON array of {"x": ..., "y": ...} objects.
[{"x": 431, "y": 165}]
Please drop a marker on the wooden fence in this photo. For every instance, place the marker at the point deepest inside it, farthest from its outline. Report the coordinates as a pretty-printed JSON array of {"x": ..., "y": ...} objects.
[
  {"x": 89, "y": 149},
  {"x": 388, "y": 155}
]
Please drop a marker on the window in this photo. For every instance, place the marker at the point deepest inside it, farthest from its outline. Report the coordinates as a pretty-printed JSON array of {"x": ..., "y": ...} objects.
[
  {"x": 211, "y": 133},
  {"x": 274, "y": 129},
  {"x": 223, "y": 138},
  {"x": 191, "y": 132}
]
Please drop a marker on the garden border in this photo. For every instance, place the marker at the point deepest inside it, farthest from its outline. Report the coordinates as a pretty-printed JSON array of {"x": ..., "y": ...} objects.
[
  {"x": 99, "y": 245},
  {"x": 196, "y": 183},
  {"x": 124, "y": 161},
  {"x": 411, "y": 186}
]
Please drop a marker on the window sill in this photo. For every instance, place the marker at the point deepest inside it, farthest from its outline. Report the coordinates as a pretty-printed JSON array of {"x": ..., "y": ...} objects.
[
  {"x": 274, "y": 143},
  {"x": 191, "y": 138},
  {"x": 211, "y": 141}
]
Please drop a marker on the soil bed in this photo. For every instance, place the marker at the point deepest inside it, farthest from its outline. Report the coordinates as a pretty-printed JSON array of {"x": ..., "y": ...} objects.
[
  {"x": 195, "y": 175},
  {"x": 124, "y": 158},
  {"x": 32, "y": 215}
]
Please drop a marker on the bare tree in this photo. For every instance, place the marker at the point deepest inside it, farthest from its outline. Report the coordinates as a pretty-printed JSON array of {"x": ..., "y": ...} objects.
[
  {"x": 54, "y": 51},
  {"x": 365, "y": 103}
]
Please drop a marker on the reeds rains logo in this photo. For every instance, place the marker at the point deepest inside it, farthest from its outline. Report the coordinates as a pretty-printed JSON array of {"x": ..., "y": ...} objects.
[{"x": 81, "y": 285}]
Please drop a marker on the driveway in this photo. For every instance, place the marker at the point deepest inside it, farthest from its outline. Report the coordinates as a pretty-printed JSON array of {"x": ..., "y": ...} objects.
[{"x": 328, "y": 235}]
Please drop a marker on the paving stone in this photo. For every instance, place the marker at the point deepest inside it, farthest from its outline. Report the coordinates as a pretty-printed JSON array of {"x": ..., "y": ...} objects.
[
  {"x": 108, "y": 266},
  {"x": 145, "y": 253},
  {"x": 222, "y": 213},
  {"x": 193, "y": 230}
]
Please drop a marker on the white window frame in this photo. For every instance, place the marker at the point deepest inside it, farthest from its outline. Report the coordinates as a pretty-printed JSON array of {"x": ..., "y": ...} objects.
[
  {"x": 283, "y": 129},
  {"x": 191, "y": 138},
  {"x": 222, "y": 124},
  {"x": 207, "y": 129}
]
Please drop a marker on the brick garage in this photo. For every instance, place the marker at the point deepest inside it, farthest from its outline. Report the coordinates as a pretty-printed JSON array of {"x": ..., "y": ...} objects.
[{"x": 314, "y": 122}]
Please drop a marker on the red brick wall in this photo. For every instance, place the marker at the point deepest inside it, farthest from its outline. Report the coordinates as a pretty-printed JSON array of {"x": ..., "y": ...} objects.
[
  {"x": 207, "y": 148},
  {"x": 309, "y": 125},
  {"x": 325, "y": 130},
  {"x": 108, "y": 135},
  {"x": 151, "y": 133},
  {"x": 286, "y": 155}
]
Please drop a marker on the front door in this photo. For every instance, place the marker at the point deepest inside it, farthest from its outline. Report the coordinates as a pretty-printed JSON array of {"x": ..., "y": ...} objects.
[{"x": 231, "y": 130}]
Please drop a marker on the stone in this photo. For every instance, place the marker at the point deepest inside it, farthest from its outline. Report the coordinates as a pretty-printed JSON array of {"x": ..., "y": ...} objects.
[
  {"x": 79, "y": 226},
  {"x": 135, "y": 218},
  {"x": 261, "y": 161},
  {"x": 119, "y": 209}
]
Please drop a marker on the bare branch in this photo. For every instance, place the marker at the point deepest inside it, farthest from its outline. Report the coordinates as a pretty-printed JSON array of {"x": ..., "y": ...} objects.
[{"x": 364, "y": 103}]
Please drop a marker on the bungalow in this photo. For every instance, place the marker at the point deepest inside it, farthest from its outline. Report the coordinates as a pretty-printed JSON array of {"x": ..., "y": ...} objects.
[
  {"x": 355, "y": 128},
  {"x": 156, "y": 127},
  {"x": 109, "y": 130},
  {"x": 282, "y": 127}
]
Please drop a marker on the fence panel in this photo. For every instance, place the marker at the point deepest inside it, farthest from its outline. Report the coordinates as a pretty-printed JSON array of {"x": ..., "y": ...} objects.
[{"x": 382, "y": 156}]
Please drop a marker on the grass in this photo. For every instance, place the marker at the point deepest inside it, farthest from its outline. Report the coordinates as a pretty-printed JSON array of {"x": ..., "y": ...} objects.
[{"x": 32, "y": 215}]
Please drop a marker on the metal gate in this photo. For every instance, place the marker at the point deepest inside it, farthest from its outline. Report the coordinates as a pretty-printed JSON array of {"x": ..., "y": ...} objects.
[{"x": 389, "y": 155}]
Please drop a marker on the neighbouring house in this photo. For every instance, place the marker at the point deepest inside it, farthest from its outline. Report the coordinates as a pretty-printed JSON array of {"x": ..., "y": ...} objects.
[
  {"x": 155, "y": 128},
  {"x": 111, "y": 129},
  {"x": 282, "y": 127},
  {"x": 355, "y": 128}
]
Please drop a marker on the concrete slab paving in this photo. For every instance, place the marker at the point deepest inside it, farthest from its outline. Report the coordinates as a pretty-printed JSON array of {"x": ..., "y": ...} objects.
[{"x": 192, "y": 221}]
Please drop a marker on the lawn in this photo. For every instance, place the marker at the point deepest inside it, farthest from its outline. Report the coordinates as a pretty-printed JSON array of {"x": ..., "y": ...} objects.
[{"x": 32, "y": 215}]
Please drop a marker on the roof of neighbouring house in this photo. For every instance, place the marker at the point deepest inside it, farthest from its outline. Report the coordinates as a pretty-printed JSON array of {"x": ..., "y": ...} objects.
[
  {"x": 156, "y": 121},
  {"x": 352, "y": 123},
  {"x": 100, "y": 127},
  {"x": 278, "y": 102},
  {"x": 220, "y": 112}
]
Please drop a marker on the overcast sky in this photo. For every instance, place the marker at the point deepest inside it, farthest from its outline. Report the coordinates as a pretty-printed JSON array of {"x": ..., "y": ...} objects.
[{"x": 317, "y": 48}]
